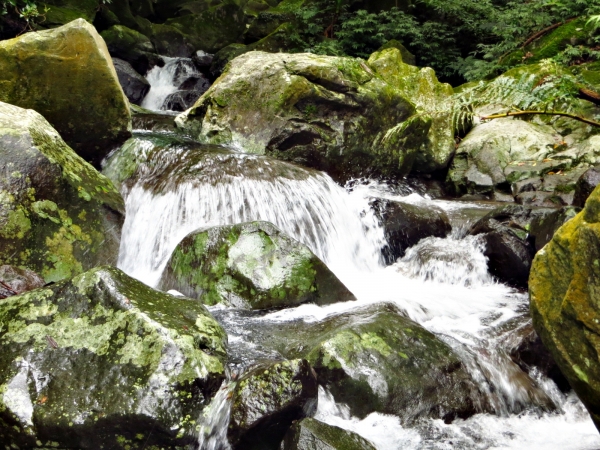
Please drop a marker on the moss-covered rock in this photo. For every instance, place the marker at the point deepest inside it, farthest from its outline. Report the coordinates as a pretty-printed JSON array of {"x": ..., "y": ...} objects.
[
  {"x": 103, "y": 361},
  {"x": 131, "y": 46},
  {"x": 375, "y": 359},
  {"x": 311, "y": 434},
  {"x": 267, "y": 399},
  {"x": 564, "y": 288},
  {"x": 66, "y": 75},
  {"x": 431, "y": 98},
  {"x": 58, "y": 215},
  {"x": 332, "y": 113},
  {"x": 251, "y": 265},
  {"x": 61, "y": 12}
]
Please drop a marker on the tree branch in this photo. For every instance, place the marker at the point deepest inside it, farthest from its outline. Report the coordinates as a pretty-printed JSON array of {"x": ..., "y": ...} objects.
[{"x": 544, "y": 113}]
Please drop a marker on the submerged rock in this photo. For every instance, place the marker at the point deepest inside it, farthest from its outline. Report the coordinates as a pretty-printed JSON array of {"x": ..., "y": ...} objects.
[
  {"x": 309, "y": 108},
  {"x": 252, "y": 265},
  {"x": 103, "y": 361},
  {"x": 15, "y": 281},
  {"x": 267, "y": 399},
  {"x": 58, "y": 215},
  {"x": 405, "y": 225},
  {"x": 311, "y": 434},
  {"x": 66, "y": 75},
  {"x": 564, "y": 288}
]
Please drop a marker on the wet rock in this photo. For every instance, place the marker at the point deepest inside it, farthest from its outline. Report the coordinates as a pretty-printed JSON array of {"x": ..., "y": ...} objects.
[
  {"x": 189, "y": 92},
  {"x": 103, "y": 361},
  {"x": 15, "y": 281},
  {"x": 267, "y": 399},
  {"x": 563, "y": 289},
  {"x": 375, "y": 359},
  {"x": 311, "y": 434},
  {"x": 58, "y": 215},
  {"x": 540, "y": 198},
  {"x": 406, "y": 224},
  {"x": 90, "y": 111},
  {"x": 134, "y": 85},
  {"x": 251, "y": 265},
  {"x": 157, "y": 121},
  {"x": 586, "y": 185},
  {"x": 311, "y": 107},
  {"x": 131, "y": 46},
  {"x": 544, "y": 225},
  {"x": 203, "y": 60}
]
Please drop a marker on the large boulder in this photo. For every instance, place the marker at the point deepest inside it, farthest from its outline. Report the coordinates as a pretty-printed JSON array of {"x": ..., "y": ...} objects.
[
  {"x": 267, "y": 399},
  {"x": 432, "y": 98},
  {"x": 61, "y": 12},
  {"x": 134, "y": 85},
  {"x": 251, "y": 265},
  {"x": 332, "y": 113},
  {"x": 311, "y": 434},
  {"x": 131, "y": 46},
  {"x": 58, "y": 215},
  {"x": 66, "y": 75},
  {"x": 103, "y": 361},
  {"x": 564, "y": 288}
]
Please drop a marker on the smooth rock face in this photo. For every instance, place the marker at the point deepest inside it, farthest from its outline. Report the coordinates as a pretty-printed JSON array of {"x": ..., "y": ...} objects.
[
  {"x": 311, "y": 434},
  {"x": 15, "y": 281},
  {"x": 58, "y": 215},
  {"x": 267, "y": 399},
  {"x": 405, "y": 225},
  {"x": 564, "y": 288},
  {"x": 251, "y": 265},
  {"x": 586, "y": 185},
  {"x": 101, "y": 360},
  {"x": 134, "y": 85},
  {"x": 377, "y": 360},
  {"x": 331, "y": 113},
  {"x": 66, "y": 75}
]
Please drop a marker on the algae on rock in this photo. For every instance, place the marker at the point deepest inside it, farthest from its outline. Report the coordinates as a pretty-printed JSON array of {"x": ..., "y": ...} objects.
[
  {"x": 66, "y": 74},
  {"x": 101, "y": 360},
  {"x": 251, "y": 265},
  {"x": 58, "y": 215}
]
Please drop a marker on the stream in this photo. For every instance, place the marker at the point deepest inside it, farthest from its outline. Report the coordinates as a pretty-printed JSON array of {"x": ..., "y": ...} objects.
[{"x": 441, "y": 283}]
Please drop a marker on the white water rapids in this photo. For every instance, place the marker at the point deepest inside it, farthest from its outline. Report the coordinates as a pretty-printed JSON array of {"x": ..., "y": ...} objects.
[{"x": 442, "y": 284}]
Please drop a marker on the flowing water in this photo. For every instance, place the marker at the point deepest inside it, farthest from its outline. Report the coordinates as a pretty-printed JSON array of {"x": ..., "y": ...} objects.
[
  {"x": 166, "y": 80},
  {"x": 442, "y": 284}
]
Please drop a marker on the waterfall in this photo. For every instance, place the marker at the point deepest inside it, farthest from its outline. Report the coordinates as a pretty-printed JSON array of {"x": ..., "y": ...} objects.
[{"x": 166, "y": 80}]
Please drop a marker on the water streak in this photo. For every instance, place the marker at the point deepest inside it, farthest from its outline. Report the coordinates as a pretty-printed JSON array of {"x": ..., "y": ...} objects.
[{"x": 166, "y": 80}]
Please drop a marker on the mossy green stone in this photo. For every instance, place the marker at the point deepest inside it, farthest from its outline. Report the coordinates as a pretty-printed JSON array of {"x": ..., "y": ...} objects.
[
  {"x": 564, "y": 290},
  {"x": 58, "y": 215},
  {"x": 61, "y": 12},
  {"x": 66, "y": 75},
  {"x": 251, "y": 265},
  {"x": 99, "y": 360},
  {"x": 311, "y": 434}
]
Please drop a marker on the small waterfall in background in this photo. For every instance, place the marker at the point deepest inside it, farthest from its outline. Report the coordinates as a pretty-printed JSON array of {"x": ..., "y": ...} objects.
[
  {"x": 442, "y": 284},
  {"x": 167, "y": 80}
]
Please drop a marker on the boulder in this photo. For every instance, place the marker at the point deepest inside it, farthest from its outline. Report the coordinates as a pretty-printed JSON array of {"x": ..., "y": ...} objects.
[
  {"x": 66, "y": 75},
  {"x": 267, "y": 399},
  {"x": 251, "y": 265},
  {"x": 564, "y": 288},
  {"x": 432, "y": 98},
  {"x": 134, "y": 85},
  {"x": 586, "y": 185},
  {"x": 310, "y": 108},
  {"x": 15, "y": 281},
  {"x": 203, "y": 60},
  {"x": 61, "y": 12},
  {"x": 189, "y": 92},
  {"x": 131, "y": 46},
  {"x": 375, "y": 359},
  {"x": 311, "y": 434},
  {"x": 58, "y": 215},
  {"x": 103, "y": 361},
  {"x": 405, "y": 224}
]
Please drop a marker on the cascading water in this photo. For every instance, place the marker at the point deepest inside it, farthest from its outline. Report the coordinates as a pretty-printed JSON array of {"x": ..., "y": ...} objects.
[
  {"x": 166, "y": 80},
  {"x": 442, "y": 284}
]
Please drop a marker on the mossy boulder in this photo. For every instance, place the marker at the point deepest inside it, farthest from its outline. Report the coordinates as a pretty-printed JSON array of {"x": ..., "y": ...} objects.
[
  {"x": 66, "y": 75},
  {"x": 311, "y": 434},
  {"x": 331, "y": 113},
  {"x": 432, "y": 99},
  {"x": 375, "y": 359},
  {"x": 267, "y": 399},
  {"x": 58, "y": 215},
  {"x": 103, "y": 361},
  {"x": 251, "y": 265},
  {"x": 61, "y": 12},
  {"x": 564, "y": 288},
  {"x": 131, "y": 46}
]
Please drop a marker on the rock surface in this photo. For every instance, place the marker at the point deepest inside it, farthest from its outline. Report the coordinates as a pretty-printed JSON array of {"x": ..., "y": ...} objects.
[
  {"x": 267, "y": 399},
  {"x": 101, "y": 360},
  {"x": 564, "y": 288},
  {"x": 586, "y": 185},
  {"x": 131, "y": 46},
  {"x": 251, "y": 265},
  {"x": 66, "y": 75},
  {"x": 134, "y": 85},
  {"x": 311, "y": 434},
  {"x": 306, "y": 108},
  {"x": 15, "y": 281},
  {"x": 58, "y": 215}
]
